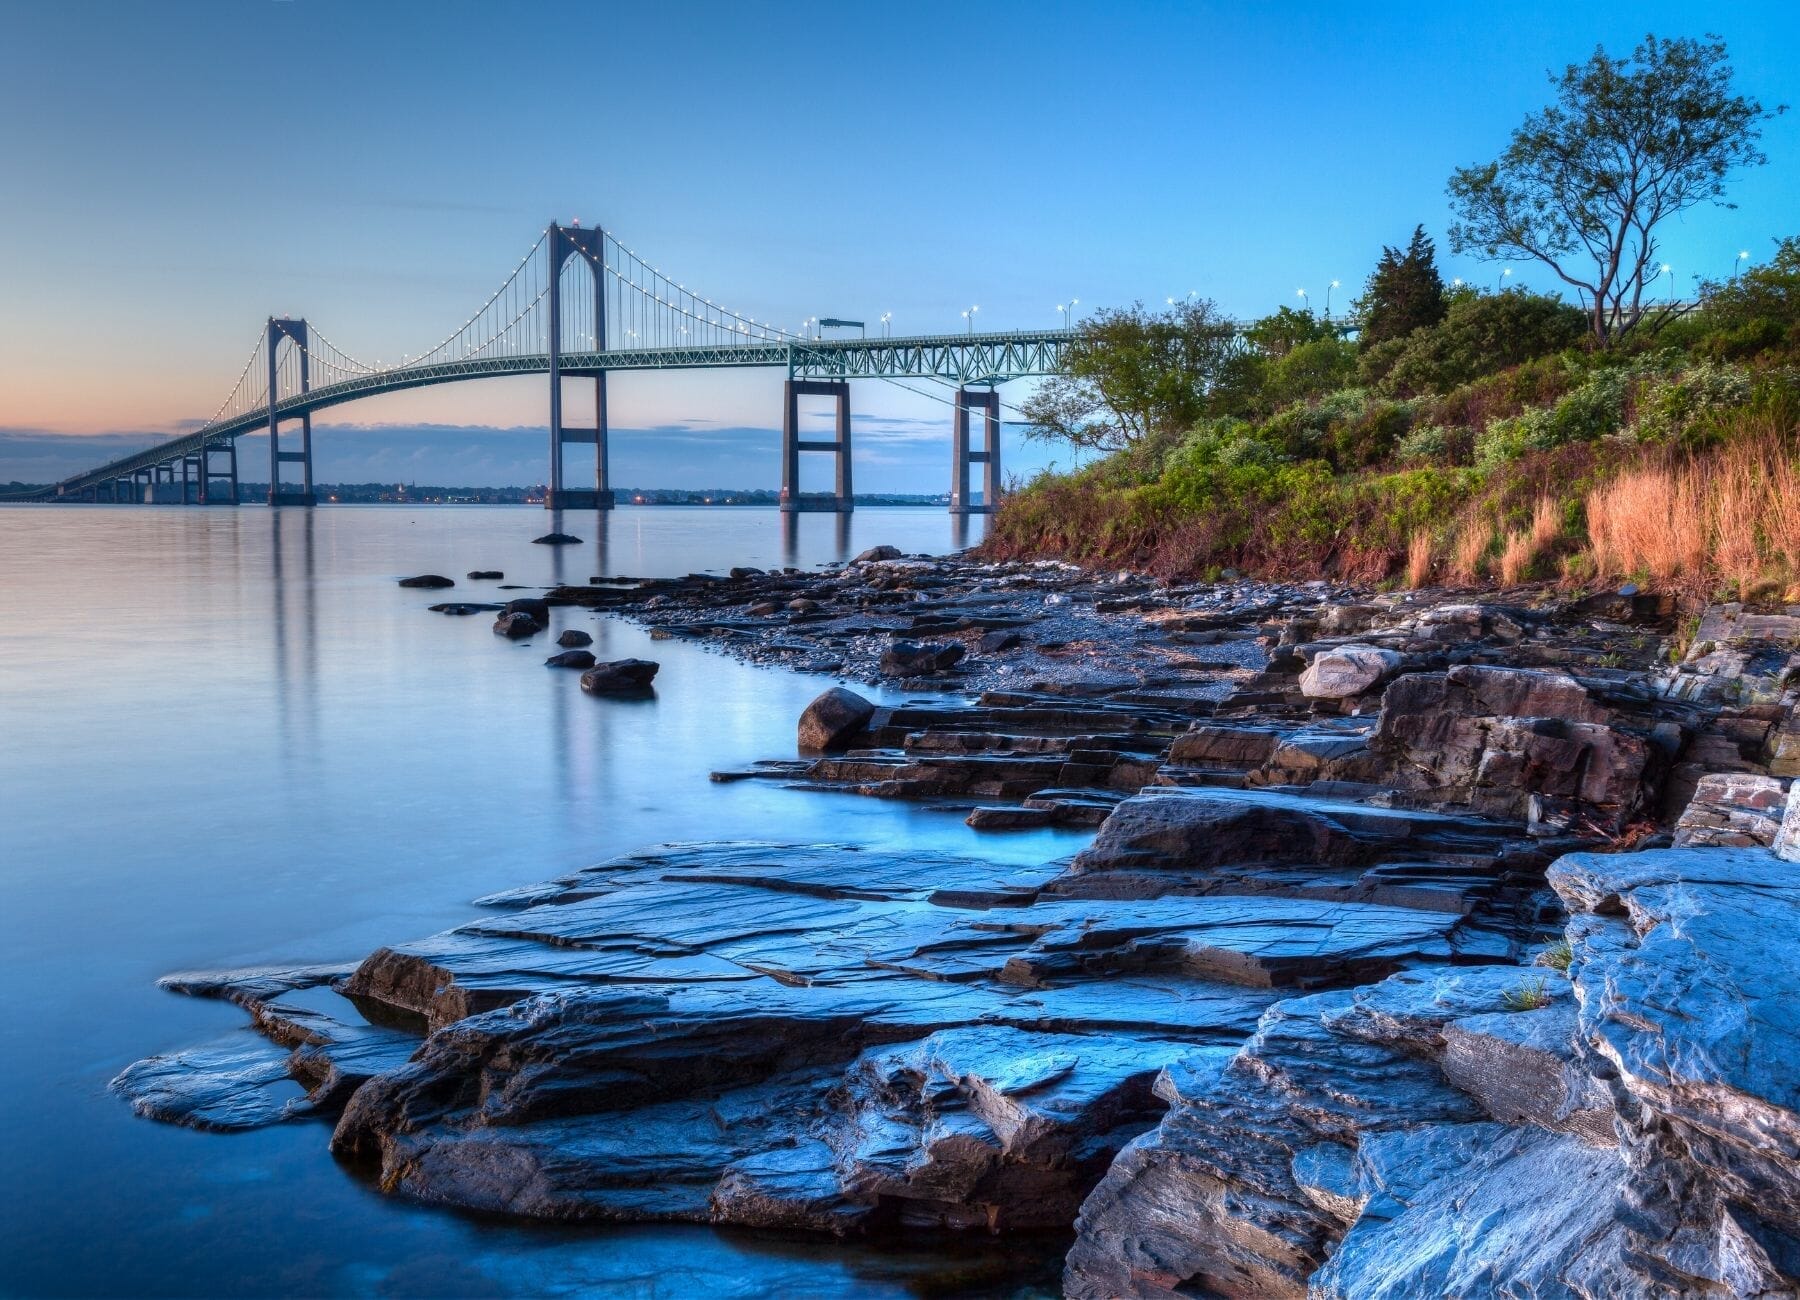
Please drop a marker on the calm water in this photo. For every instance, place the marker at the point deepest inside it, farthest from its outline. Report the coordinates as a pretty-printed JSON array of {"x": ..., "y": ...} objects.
[{"x": 227, "y": 738}]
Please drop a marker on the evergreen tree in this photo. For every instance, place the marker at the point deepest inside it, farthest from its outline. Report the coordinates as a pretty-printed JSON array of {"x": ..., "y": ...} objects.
[{"x": 1405, "y": 292}]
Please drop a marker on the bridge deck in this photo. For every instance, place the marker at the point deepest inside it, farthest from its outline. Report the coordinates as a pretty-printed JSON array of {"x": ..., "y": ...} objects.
[{"x": 953, "y": 358}]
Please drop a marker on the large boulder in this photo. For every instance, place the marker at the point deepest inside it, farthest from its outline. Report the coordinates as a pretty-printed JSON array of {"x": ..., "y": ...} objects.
[
  {"x": 833, "y": 719},
  {"x": 1348, "y": 670},
  {"x": 876, "y": 554},
  {"x": 574, "y": 640},
  {"x": 1516, "y": 743},
  {"x": 556, "y": 539},
  {"x": 620, "y": 677}
]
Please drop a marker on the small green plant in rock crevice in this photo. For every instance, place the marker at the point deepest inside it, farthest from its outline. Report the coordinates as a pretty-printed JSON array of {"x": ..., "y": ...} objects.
[
  {"x": 1557, "y": 956},
  {"x": 1529, "y": 995}
]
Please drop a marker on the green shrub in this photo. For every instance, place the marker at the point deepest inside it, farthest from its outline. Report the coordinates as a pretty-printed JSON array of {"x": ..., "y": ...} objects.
[
  {"x": 1311, "y": 368},
  {"x": 1427, "y": 445},
  {"x": 1741, "y": 342},
  {"x": 1482, "y": 334},
  {"x": 1378, "y": 359},
  {"x": 1669, "y": 407},
  {"x": 1368, "y": 435}
]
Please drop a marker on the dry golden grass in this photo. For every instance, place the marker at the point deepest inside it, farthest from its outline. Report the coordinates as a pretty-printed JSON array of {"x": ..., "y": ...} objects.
[
  {"x": 1418, "y": 558},
  {"x": 1730, "y": 514},
  {"x": 1546, "y": 523},
  {"x": 1468, "y": 548},
  {"x": 1516, "y": 557},
  {"x": 1524, "y": 546}
]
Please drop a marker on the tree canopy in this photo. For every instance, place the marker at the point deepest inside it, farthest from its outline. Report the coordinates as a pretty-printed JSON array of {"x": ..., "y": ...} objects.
[
  {"x": 1586, "y": 182},
  {"x": 1404, "y": 293},
  {"x": 1133, "y": 374}
]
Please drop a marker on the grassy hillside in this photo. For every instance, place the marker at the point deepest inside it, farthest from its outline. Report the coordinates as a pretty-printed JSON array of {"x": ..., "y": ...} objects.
[{"x": 1492, "y": 445}]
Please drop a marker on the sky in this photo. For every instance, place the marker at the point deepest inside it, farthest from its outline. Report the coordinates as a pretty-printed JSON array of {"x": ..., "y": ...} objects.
[{"x": 172, "y": 173}]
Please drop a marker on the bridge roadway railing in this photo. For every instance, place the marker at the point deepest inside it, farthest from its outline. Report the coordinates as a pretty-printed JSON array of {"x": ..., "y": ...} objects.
[{"x": 952, "y": 358}]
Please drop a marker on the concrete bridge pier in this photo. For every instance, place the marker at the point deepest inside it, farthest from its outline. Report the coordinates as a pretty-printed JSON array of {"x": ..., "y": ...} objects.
[
  {"x": 843, "y": 500},
  {"x": 208, "y": 473},
  {"x": 279, "y": 493},
  {"x": 986, "y": 400}
]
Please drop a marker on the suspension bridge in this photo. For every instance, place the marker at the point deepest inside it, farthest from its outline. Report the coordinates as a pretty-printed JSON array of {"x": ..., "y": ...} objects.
[{"x": 579, "y": 306}]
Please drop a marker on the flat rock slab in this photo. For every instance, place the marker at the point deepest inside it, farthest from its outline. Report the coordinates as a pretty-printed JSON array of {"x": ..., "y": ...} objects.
[{"x": 1186, "y": 833}]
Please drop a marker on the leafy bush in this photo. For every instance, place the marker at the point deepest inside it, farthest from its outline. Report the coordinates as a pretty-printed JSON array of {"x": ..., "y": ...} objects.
[
  {"x": 1762, "y": 294},
  {"x": 1669, "y": 407},
  {"x": 1741, "y": 342},
  {"x": 1224, "y": 440},
  {"x": 1430, "y": 444},
  {"x": 1481, "y": 334},
  {"x": 1311, "y": 368},
  {"x": 1378, "y": 359},
  {"x": 1593, "y": 410}
]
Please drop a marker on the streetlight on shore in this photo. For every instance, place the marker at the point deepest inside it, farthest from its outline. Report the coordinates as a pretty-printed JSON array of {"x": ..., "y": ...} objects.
[
  {"x": 1500, "y": 284},
  {"x": 1304, "y": 300},
  {"x": 1666, "y": 269},
  {"x": 1742, "y": 257}
]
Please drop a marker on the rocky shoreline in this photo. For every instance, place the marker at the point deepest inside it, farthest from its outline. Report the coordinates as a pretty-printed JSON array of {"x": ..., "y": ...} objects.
[{"x": 1427, "y": 944}]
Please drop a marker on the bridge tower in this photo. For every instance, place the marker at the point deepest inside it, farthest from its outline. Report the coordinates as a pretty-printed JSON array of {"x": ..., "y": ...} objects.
[
  {"x": 986, "y": 400},
  {"x": 280, "y": 328},
  {"x": 792, "y": 499},
  {"x": 566, "y": 242}
]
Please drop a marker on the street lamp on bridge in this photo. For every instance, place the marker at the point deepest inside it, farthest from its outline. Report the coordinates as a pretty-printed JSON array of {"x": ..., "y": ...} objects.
[
  {"x": 1066, "y": 308},
  {"x": 887, "y": 319},
  {"x": 969, "y": 317}
]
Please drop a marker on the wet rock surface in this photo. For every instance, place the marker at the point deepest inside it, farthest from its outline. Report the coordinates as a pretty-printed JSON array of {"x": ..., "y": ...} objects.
[
  {"x": 1377, "y": 978},
  {"x": 619, "y": 677}
]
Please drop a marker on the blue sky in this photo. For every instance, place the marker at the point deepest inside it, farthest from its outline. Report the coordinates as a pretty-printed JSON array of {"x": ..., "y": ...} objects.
[{"x": 175, "y": 172}]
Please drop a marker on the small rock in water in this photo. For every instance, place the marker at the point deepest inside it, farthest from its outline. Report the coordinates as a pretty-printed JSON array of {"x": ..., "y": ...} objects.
[
  {"x": 877, "y": 553},
  {"x": 572, "y": 638},
  {"x": 916, "y": 658},
  {"x": 833, "y": 719},
  {"x": 571, "y": 659},
  {"x": 462, "y": 607},
  {"x": 427, "y": 580},
  {"x": 538, "y": 609},
  {"x": 556, "y": 539},
  {"x": 620, "y": 677},
  {"x": 517, "y": 625},
  {"x": 489, "y": 575}
]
